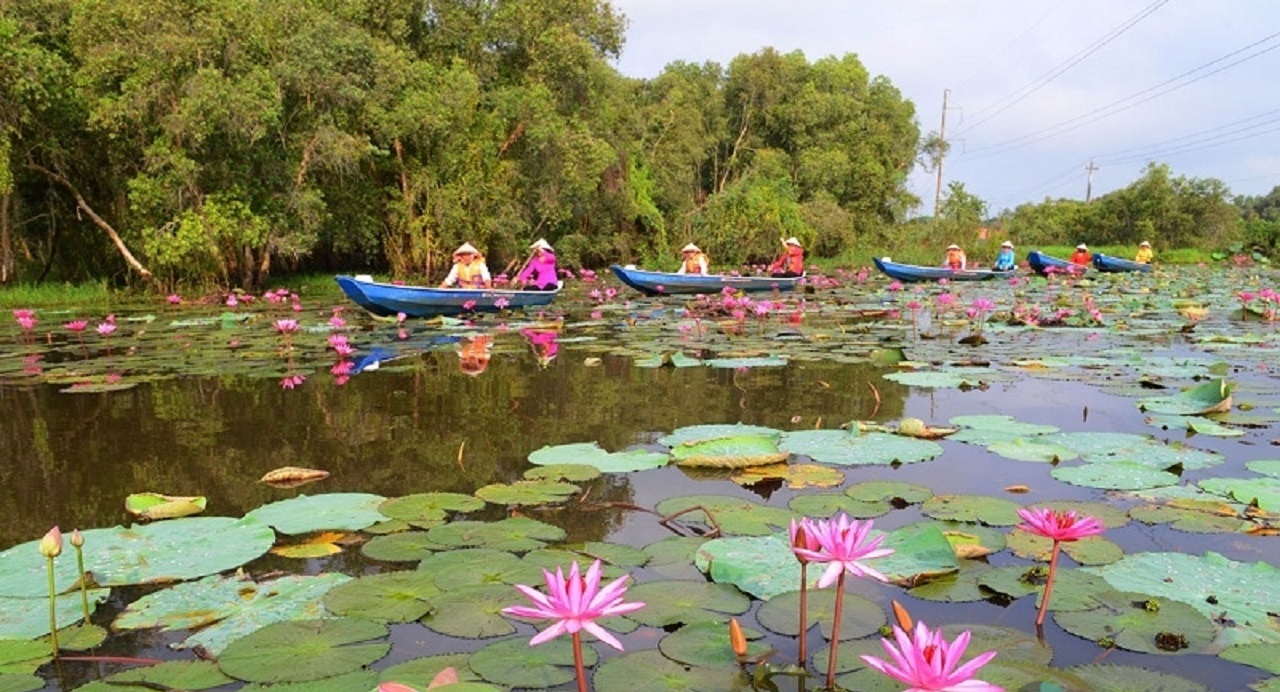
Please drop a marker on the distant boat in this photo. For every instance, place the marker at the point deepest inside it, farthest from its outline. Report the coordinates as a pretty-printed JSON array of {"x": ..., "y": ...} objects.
[
  {"x": 388, "y": 300},
  {"x": 915, "y": 272},
  {"x": 1043, "y": 264},
  {"x": 1108, "y": 263},
  {"x": 666, "y": 283}
]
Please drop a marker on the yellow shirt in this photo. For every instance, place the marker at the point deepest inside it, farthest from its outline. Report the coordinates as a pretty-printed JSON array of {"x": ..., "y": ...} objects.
[{"x": 1144, "y": 255}]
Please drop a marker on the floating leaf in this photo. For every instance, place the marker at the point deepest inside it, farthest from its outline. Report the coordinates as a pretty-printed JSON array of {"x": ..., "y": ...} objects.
[
  {"x": 319, "y": 545},
  {"x": 825, "y": 505},
  {"x": 929, "y": 380},
  {"x": 707, "y": 644},
  {"x": 650, "y": 670},
  {"x": 729, "y": 452},
  {"x": 333, "y": 511},
  {"x": 426, "y": 510},
  {"x": 1159, "y": 456},
  {"x": 23, "y": 656},
  {"x": 1112, "y": 678},
  {"x": 992, "y": 511},
  {"x": 306, "y": 650},
  {"x": 539, "y": 492},
  {"x": 733, "y": 515},
  {"x": 1115, "y": 475},
  {"x": 896, "y": 492},
  {"x": 389, "y": 597},
  {"x": 415, "y": 671},
  {"x": 515, "y": 534},
  {"x": 1031, "y": 449},
  {"x": 407, "y": 546},
  {"x": 355, "y": 681},
  {"x": 914, "y": 427},
  {"x": 705, "y": 433},
  {"x": 859, "y": 618},
  {"x": 591, "y": 454},
  {"x": 1093, "y": 550},
  {"x": 472, "y": 612},
  {"x": 1139, "y": 623},
  {"x": 1264, "y": 656},
  {"x": 844, "y": 449},
  {"x": 514, "y": 664},
  {"x": 464, "y": 567},
  {"x": 1005, "y": 425},
  {"x": 671, "y": 602},
  {"x": 180, "y": 675},
  {"x": 573, "y": 473},
  {"x": 153, "y": 506},
  {"x": 292, "y": 476},
  {"x": 795, "y": 476},
  {"x": 1211, "y": 397},
  {"x": 1261, "y": 492},
  {"x": 1196, "y": 424},
  {"x": 28, "y": 618}
]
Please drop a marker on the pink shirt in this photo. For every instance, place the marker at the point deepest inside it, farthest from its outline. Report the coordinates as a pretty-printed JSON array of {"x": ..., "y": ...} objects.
[{"x": 541, "y": 271}]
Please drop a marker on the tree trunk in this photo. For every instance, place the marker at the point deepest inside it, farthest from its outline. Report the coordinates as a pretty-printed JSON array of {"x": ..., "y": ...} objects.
[
  {"x": 97, "y": 220},
  {"x": 6, "y": 240}
]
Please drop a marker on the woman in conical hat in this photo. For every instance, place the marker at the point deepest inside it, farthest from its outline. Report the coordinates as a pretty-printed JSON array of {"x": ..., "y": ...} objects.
[
  {"x": 791, "y": 262},
  {"x": 694, "y": 261},
  {"x": 1005, "y": 260},
  {"x": 469, "y": 269},
  {"x": 539, "y": 272}
]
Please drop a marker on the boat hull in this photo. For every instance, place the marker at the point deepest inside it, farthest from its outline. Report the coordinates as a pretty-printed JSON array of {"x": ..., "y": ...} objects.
[
  {"x": 1044, "y": 265},
  {"x": 1111, "y": 264},
  {"x": 914, "y": 272},
  {"x": 388, "y": 300},
  {"x": 667, "y": 283}
]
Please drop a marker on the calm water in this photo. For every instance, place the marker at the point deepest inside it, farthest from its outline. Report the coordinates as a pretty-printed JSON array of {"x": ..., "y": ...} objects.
[{"x": 419, "y": 424}]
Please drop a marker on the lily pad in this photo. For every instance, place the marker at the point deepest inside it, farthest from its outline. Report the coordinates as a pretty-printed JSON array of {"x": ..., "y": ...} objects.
[
  {"x": 672, "y": 602},
  {"x": 736, "y": 452},
  {"x": 860, "y": 616},
  {"x": 426, "y": 510},
  {"x": 182, "y": 675},
  {"x": 795, "y": 476},
  {"x": 650, "y": 670},
  {"x": 929, "y": 379},
  {"x": 355, "y": 681},
  {"x": 1006, "y": 425},
  {"x": 513, "y": 663},
  {"x": 300, "y": 651},
  {"x": 1111, "y": 678},
  {"x": 992, "y": 511},
  {"x": 472, "y": 612},
  {"x": 514, "y": 534},
  {"x": 1261, "y": 492},
  {"x": 1139, "y": 623},
  {"x": 591, "y": 454},
  {"x": 707, "y": 644},
  {"x": 1211, "y": 397},
  {"x": 1094, "y": 550},
  {"x": 23, "y": 655},
  {"x": 1031, "y": 449},
  {"x": 406, "y": 546},
  {"x": 1264, "y": 656},
  {"x": 464, "y": 567},
  {"x": 539, "y": 492},
  {"x": 824, "y": 505},
  {"x": 842, "y": 448},
  {"x": 1115, "y": 475},
  {"x": 895, "y": 492},
  {"x": 573, "y": 473},
  {"x": 705, "y": 433},
  {"x": 28, "y": 618},
  {"x": 152, "y": 506},
  {"x": 336, "y": 511},
  {"x": 734, "y": 516},
  {"x": 389, "y": 597},
  {"x": 414, "y": 672}
]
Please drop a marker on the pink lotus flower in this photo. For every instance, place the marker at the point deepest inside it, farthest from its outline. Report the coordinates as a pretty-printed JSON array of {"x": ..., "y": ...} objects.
[
  {"x": 77, "y": 326},
  {"x": 106, "y": 328},
  {"x": 286, "y": 326},
  {"x": 575, "y": 603},
  {"x": 925, "y": 661},
  {"x": 843, "y": 544},
  {"x": 231, "y": 300},
  {"x": 337, "y": 322},
  {"x": 501, "y": 303},
  {"x": 1059, "y": 526},
  {"x": 27, "y": 323},
  {"x": 51, "y": 544},
  {"x": 469, "y": 305},
  {"x": 21, "y": 314},
  {"x": 401, "y": 317},
  {"x": 803, "y": 543},
  {"x": 174, "y": 299},
  {"x": 291, "y": 381}
]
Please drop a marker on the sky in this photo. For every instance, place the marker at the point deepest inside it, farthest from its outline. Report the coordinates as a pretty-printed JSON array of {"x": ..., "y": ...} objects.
[{"x": 1035, "y": 89}]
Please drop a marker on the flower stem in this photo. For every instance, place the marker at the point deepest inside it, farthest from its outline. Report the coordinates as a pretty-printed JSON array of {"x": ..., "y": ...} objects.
[
  {"x": 1048, "y": 584},
  {"x": 835, "y": 632},
  {"x": 577, "y": 662},
  {"x": 84, "y": 588},
  {"x": 804, "y": 614},
  {"x": 53, "y": 611}
]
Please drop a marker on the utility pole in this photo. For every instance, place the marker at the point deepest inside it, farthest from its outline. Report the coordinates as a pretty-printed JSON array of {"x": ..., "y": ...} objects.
[
  {"x": 1088, "y": 188},
  {"x": 942, "y": 152}
]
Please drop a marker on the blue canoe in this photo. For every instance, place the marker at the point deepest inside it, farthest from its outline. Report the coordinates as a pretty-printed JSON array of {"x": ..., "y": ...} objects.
[
  {"x": 1044, "y": 265},
  {"x": 420, "y": 301},
  {"x": 667, "y": 283},
  {"x": 1107, "y": 263},
  {"x": 915, "y": 272}
]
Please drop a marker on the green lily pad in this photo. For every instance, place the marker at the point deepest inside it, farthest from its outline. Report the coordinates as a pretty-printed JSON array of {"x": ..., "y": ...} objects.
[
  {"x": 707, "y": 644},
  {"x": 1266, "y": 467},
  {"x": 514, "y": 664},
  {"x": 1263, "y": 656},
  {"x": 1031, "y": 449},
  {"x": 1110, "y": 516},
  {"x": 736, "y": 452},
  {"x": 794, "y": 476},
  {"x": 705, "y": 433},
  {"x": 355, "y": 681},
  {"x": 539, "y": 492},
  {"x": 859, "y": 617},
  {"x": 1140, "y": 623},
  {"x": 896, "y": 492},
  {"x": 1073, "y": 589},
  {"x": 1239, "y": 596},
  {"x": 180, "y": 675},
  {"x": 573, "y": 473},
  {"x": 223, "y": 609},
  {"x": 824, "y": 505},
  {"x": 419, "y": 671},
  {"x": 591, "y": 454},
  {"x": 1195, "y": 424},
  {"x": 426, "y": 510},
  {"x": 406, "y": 546},
  {"x": 21, "y": 682},
  {"x": 152, "y": 506},
  {"x": 28, "y": 618},
  {"x": 21, "y": 656},
  {"x": 473, "y": 612},
  {"x": 1085, "y": 443},
  {"x": 734, "y": 516},
  {"x": 333, "y": 511},
  {"x": 173, "y": 550},
  {"x": 1210, "y": 397},
  {"x": 389, "y": 597},
  {"x": 992, "y": 511},
  {"x": 614, "y": 554},
  {"x": 929, "y": 379},
  {"x": 1262, "y": 492},
  {"x": 842, "y": 448},
  {"x": 463, "y": 567},
  {"x": 514, "y": 534},
  {"x": 650, "y": 670},
  {"x": 958, "y": 587},
  {"x": 672, "y": 557},
  {"x": 1111, "y": 678},
  {"x": 1115, "y": 475},
  {"x": 300, "y": 651},
  {"x": 1202, "y": 516},
  {"x": 672, "y": 602},
  {"x": 1160, "y": 456},
  {"x": 1094, "y": 550},
  {"x": 1006, "y": 425},
  {"x": 735, "y": 363}
]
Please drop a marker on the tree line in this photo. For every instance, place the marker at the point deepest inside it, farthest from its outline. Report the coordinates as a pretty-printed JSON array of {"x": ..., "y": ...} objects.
[{"x": 218, "y": 141}]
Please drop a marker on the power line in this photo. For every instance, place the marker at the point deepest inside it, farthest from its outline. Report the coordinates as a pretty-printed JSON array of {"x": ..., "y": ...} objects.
[{"x": 1058, "y": 70}]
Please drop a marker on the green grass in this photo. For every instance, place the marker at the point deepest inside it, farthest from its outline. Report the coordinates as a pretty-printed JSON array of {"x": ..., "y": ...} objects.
[{"x": 46, "y": 295}]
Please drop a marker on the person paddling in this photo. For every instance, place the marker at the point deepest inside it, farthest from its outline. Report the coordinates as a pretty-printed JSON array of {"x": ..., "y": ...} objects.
[
  {"x": 469, "y": 269},
  {"x": 694, "y": 261},
  {"x": 790, "y": 263},
  {"x": 539, "y": 273},
  {"x": 955, "y": 258},
  {"x": 1005, "y": 261},
  {"x": 1145, "y": 255},
  {"x": 1081, "y": 256}
]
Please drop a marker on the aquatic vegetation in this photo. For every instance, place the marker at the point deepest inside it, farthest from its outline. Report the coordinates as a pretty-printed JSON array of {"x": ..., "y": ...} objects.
[
  {"x": 925, "y": 660},
  {"x": 1059, "y": 527}
]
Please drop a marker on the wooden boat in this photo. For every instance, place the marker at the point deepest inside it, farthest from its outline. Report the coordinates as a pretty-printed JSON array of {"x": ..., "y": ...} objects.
[
  {"x": 1108, "y": 263},
  {"x": 667, "y": 283},
  {"x": 915, "y": 272},
  {"x": 1044, "y": 265},
  {"x": 388, "y": 300}
]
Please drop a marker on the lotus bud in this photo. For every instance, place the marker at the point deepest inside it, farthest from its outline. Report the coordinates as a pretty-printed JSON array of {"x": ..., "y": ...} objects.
[
  {"x": 902, "y": 616},
  {"x": 51, "y": 544},
  {"x": 737, "y": 639},
  {"x": 77, "y": 538}
]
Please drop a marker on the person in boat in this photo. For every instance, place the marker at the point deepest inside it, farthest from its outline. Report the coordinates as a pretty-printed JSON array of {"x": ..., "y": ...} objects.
[
  {"x": 539, "y": 273},
  {"x": 1081, "y": 256},
  {"x": 469, "y": 270},
  {"x": 474, "y": 354},
  {"x": 1145, "y": 255},
  {"x": 955, "y": 258},
  {"x": 694, "y": 261},
  {"x": 790, "y": 264},
  {"x": 543, "y": 343},
  {"x": 1005, "y": 261}
]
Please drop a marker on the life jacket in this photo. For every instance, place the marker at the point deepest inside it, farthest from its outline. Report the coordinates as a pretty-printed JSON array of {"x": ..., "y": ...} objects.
[
  {"x": 793, "y": 260},
  {"x": 1081, "y": 257},
  {"x": 693, "y": 262},
  {"x": 955, "y": 258},
  {"x": 469, "y": 275},
  {"x": 1144, "y": 255}
]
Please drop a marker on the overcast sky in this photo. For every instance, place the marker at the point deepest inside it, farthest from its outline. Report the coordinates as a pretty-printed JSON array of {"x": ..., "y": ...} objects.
[{"x": 1037, "y": 88}]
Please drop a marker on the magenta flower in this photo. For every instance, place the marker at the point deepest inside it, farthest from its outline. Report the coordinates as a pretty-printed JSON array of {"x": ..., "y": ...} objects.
[
  {"x": 174, "y": 299},
  {"x": 501, "y": 303},
  {"x": 469, "y": 305},
  {"x": 895, "y": 286},
  {"x": 231, "y": 300},
  {"x": 802, "y": 544},
  {"x": 1059, "y": 526},
  {"x": 925, "y": 661},
  {"x": 27, "y": 323},
  {"x": 401, "y": 317},
  {"x": 20, "y": 314},
  {"x": 843, "y": 544},
  {"x": 291, "y": 381},
  {"x": 106, "y": 328},
  {"x": 286, "y": 326},
  {"x": 575, "y": 603},
  {"x": 77, "y": 326},
  {"x": 337, "y": 322}
]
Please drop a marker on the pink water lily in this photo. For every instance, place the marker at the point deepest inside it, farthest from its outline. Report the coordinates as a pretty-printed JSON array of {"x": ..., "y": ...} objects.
[
  {"x": 843, "y": 544},
  {"x": 286, "y": 326},
  {"x": 106, "y": 328},
  {"x": 77, "y": 326},
  {"x": 928, "y": 663},
  {"x": 1060, "y": 527}
]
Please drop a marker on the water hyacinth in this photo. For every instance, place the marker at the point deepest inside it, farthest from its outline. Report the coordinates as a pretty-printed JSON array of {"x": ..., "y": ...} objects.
[
  {"x": 926, "y": 662},
  {"x": 575, "y": 602},
  {"x": 1059, "y": 527}
]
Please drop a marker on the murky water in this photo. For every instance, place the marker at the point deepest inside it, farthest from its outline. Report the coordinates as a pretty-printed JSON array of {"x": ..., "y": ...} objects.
[{"x": 420, "y": 423}]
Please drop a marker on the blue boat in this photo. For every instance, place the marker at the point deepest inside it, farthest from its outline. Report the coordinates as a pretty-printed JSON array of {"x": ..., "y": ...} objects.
[
  {"x": 915, "y": 272},
  {"x": 1044, "y": 265},
  {"x": 667, "y": 283},
  {"x": 387, "y": 300},
  {"x": 1108, "y": 263}
]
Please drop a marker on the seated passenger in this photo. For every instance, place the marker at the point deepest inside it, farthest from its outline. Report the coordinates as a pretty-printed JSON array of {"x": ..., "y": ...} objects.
[
  {"x": 1005, "y": 261},
  {"x": 1145, "y": 255},
  {"x": 539, "y": 272},
  {"x": 469, "y": 270},
  {"x": 694, "y": 261},
  {"x": 790, "y": 264},
  {"x": 955, "y": 258},
  {"x": 1081, "y": 256}
]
